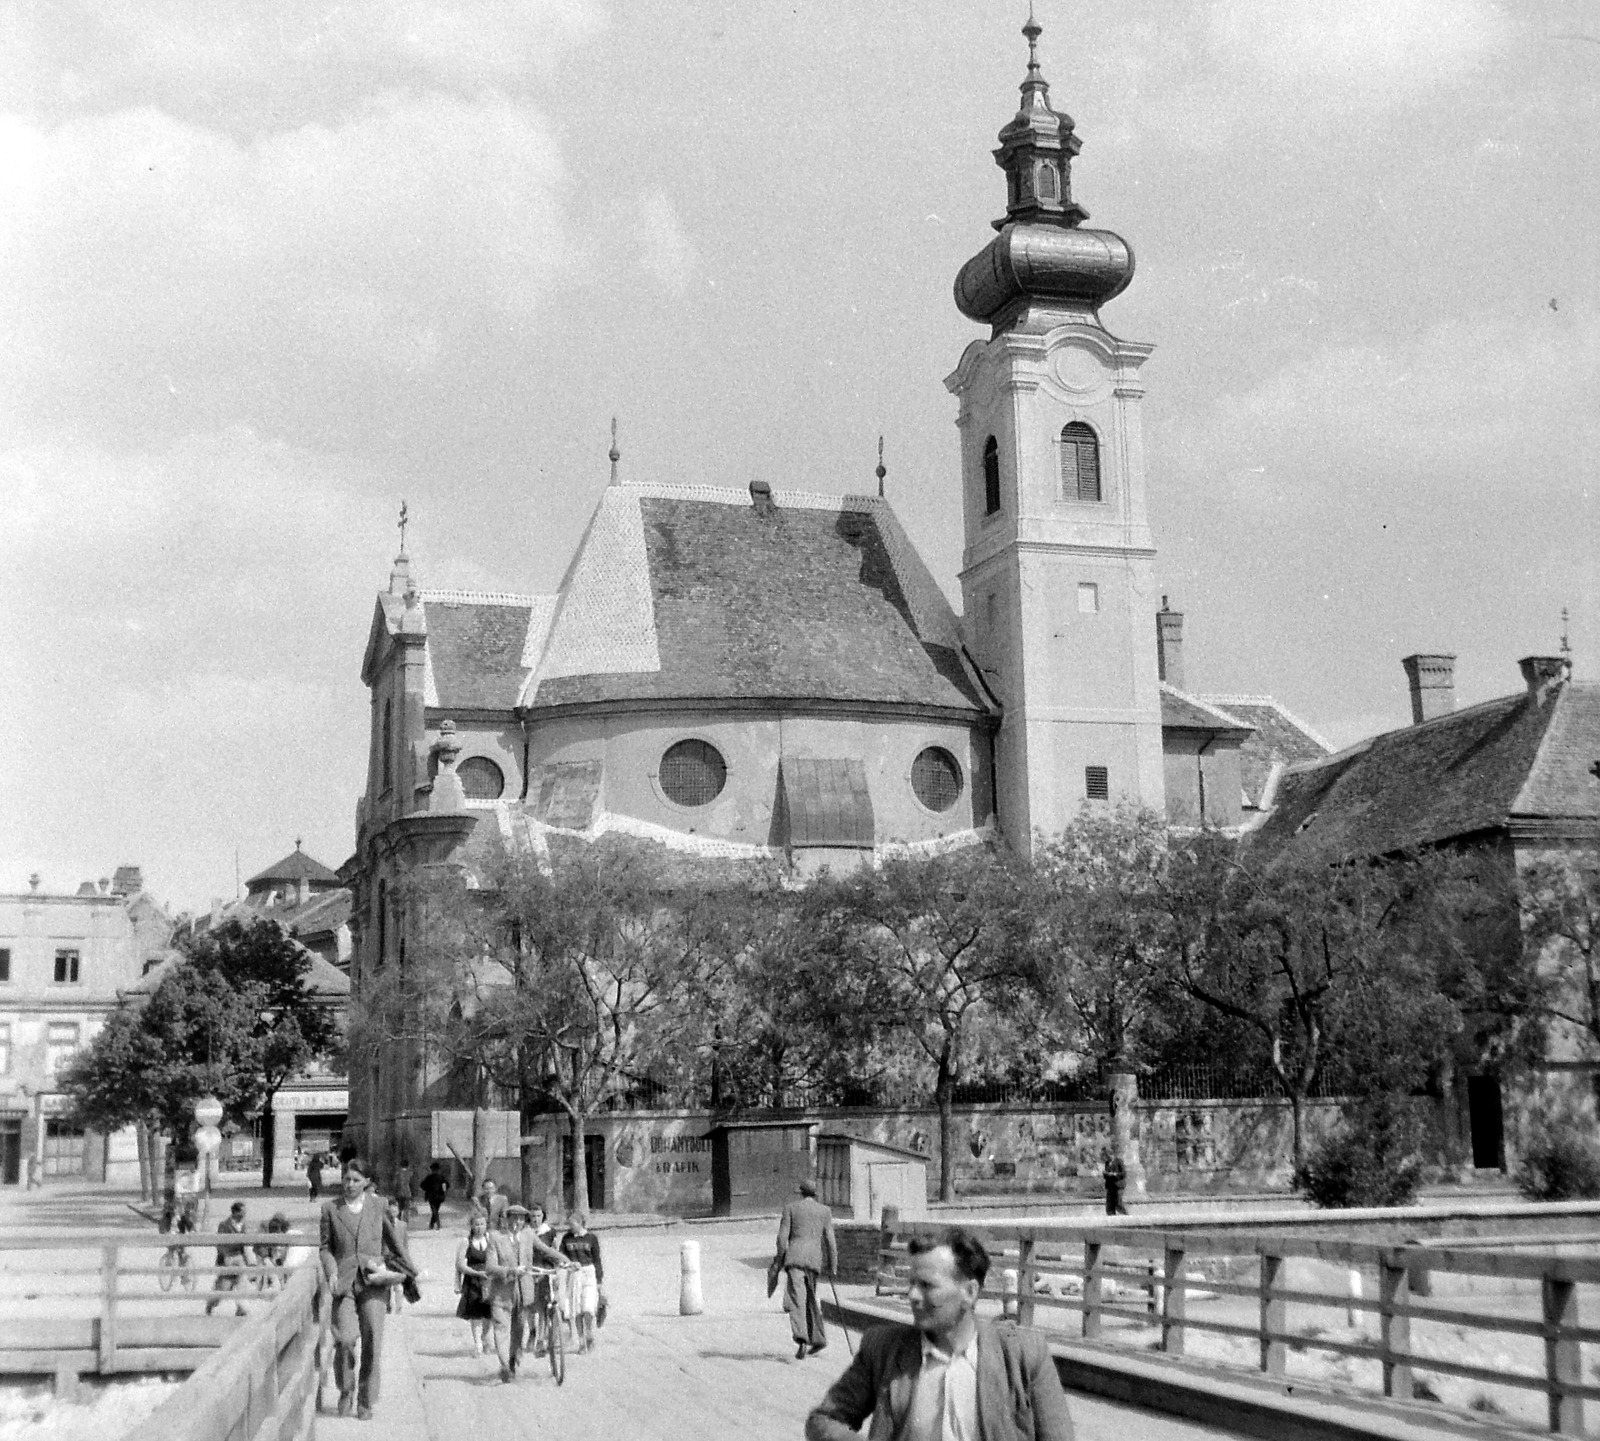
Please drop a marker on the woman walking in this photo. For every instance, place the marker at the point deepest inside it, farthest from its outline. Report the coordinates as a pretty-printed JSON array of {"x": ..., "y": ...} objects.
[
  {"x": 314, "y": 1175},
  {"x": 581, "y": 1246},
  {"x": 472, "y": 1282}
]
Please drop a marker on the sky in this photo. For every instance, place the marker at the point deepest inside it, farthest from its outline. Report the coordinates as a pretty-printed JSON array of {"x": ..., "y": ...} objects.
[{"x": 267, "y": 270}]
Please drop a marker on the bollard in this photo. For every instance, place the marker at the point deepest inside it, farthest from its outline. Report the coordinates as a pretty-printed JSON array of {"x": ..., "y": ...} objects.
[
  {"x": 690, "y": 1302},
  {"x": 1008, "y": 1294}
]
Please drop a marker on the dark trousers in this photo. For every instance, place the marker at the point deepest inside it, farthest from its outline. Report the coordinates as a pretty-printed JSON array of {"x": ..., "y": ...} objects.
[
  {"x": 433, "y": 1214},
  {"x": 1114, "y": 1206},
  {"x": 358, "y": 1320},
  {"x": 800, "y": 1301}
]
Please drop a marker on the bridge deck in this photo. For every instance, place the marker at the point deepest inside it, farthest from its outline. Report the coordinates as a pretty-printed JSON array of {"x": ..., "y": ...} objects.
[{"x": 729, "y": 1372}]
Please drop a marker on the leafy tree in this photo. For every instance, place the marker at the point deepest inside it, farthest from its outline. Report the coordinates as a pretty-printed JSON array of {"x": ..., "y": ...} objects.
[
  {"x": 940, "y": 947},
  {"x": 1561, "y": 924},
  {"x": 292, "y": 1029}
]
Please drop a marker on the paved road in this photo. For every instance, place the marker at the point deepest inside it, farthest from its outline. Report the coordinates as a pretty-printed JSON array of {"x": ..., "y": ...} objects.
[{"x": 729, "y": 1372}]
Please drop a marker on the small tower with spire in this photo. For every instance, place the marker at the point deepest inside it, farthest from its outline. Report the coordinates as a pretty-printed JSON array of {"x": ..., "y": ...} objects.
[{"x": 1058, "y": 566}]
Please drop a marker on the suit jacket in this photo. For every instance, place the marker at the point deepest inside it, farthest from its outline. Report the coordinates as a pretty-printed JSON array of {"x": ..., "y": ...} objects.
[
  {"x": 507, "y": 1255},
  {"x": 349, "y": 1239},
  {"x": 1019, "y": 1392},
  {"x": 805, "y": 1235}
]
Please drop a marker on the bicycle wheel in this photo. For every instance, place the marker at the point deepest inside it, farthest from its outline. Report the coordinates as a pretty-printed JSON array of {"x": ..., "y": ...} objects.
[
  {"x": 167, "y": 1269},
  {"x": 556, "y": 1343},
  {"x": 186, "y": 1271}
]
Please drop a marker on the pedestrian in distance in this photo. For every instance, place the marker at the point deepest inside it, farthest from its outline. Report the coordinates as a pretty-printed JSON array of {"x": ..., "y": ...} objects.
[
  {"x": 582, "y": 1247},
  {"x": 806, "y": 1248},
  {"x": 513, "y": 1254},
  {"x": 948, "y": 1374},
  {"x": 1115, "y": 1175},
  {"x": 231, "y": 1256},
  {"x": 435, "y": 1187},
  {"x": 402, "y": 1190},
  {"x": 358, "y": 1247},
  {"x": 472, "y": 1282},
  {"x": 314, "y": 1175},
  {"x": 494, "y": 1206},
  {"x": 402, "y": 1234}
]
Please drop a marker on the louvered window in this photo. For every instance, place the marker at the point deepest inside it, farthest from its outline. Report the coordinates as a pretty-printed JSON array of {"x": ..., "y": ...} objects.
[
  {"x": 481, "y": 779},
  {"x": 1080, "y": 463},
  {"x": 1097, "y": 783},
  {"x": 991, "y": 475},
  {"x": 692, "y": 773},
  {"x": 936, "y": 779}
]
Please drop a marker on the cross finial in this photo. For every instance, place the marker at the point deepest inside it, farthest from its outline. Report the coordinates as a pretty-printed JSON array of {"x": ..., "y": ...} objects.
[
  {"x": 616, "y": 454},
  {"x": 1033, "y": 30},
  {"x": 297, "y": 842},
  {"x": 405, "y": 520},
  {"x": 881, "y": 472}
]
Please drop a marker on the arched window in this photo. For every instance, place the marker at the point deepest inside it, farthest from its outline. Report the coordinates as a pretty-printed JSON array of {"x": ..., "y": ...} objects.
[
  {"x": 1080, "y": 462},
  {"x": 388, "y": 744},
  {"x": 692, "y": 773},
  {"x": 481, "y": 779},
  {"x": 991, "y": 475},
  {"x": 383, "y": 924},
  {"x": 1047, "y": 181},
  {"x": 936, "y": 779}
]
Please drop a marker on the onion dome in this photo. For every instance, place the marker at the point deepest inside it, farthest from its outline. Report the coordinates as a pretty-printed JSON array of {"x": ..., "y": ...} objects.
[{"x": 1041, "y": 253}]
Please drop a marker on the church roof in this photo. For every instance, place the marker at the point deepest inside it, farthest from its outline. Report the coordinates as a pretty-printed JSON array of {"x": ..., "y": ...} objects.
[
  {"x": 1520, "y": 757},
  {"x": 295, "y": 866},
  {"x": 703, "y": 593},
  {"x": 1182, "y": 711},
  {"x": 1277, "y": 738}
]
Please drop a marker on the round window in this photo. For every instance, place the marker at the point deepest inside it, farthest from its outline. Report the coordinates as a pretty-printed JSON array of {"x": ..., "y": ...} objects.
[
  {"x": 481, "y": 779},
  {"x": 693, "y": 773},
  {"x": 936, "y": 779}
]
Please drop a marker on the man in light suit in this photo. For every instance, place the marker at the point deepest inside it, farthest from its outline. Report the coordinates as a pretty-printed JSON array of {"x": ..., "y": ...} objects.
[
  {"x": 358, "y": 1238},
  {"x": 806, "y": 1247},
  {"x": 514, "y": 1294}
]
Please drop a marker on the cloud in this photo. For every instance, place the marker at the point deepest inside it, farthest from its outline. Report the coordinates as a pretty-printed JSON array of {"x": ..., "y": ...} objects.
[
  {"x": 148, "y": 266},
  {"x": 667, "y": 253}
]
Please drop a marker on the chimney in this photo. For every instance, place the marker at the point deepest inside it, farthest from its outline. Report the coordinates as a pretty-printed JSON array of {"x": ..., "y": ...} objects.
[
  {"x": 127, "y": 881},
  {"x": 1542, "y": 674},
  {"x": 1432, "y": 679},
  {"x": 761, "y": 498},
  {"x": 1169, "y": 645}
]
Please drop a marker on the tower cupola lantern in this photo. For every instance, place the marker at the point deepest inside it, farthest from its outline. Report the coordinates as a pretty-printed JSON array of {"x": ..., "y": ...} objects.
[
  {"x": 1036, "y": 151},
  {"x": 1043, "y": 259}
]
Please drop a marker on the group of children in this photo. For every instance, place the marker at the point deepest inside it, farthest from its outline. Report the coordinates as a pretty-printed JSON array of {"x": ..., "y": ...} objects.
[{"x": 503, "y": 1278}]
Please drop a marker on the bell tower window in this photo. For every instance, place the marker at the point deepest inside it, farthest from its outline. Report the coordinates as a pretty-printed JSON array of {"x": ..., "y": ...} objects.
[
  {"x": 1046, "y": 183},
  {"x": 1080, "y": 463},
  {"x": 991, "y": 476}
]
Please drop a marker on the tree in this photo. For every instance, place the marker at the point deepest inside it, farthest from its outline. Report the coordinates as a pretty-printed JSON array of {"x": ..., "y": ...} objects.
[
  {"x": 940, "y": 946},
  {"x": 194, "y": 1036},
  {"x": 1322, "y": 957},
  {"x": 293, "y": 1028},
  {"x": 1561, "y": 928}
]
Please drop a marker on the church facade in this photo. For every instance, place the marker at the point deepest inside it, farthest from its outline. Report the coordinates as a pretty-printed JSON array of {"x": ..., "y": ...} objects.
[{"x": 774, "y": 674}]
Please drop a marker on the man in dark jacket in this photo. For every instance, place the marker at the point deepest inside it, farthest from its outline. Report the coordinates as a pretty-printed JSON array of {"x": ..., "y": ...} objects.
[
  {"x": 806, "y": 1247},
  {"x": 435, "y": 1187},
  {"x": 948, "y": 1374}
]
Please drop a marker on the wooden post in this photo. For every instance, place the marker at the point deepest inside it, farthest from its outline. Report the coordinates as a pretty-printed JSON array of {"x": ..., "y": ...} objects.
[
  {"x": 1172, "y": 1303},
  {"x": 1025, "y": 1281},
  {"x": 1274, "y": 1315},
  {"x": 887, "y": 1222},
  {"x": 1394, "y": 1326},
  {"x": 1563, "y": 1361},
  {"x": 1091, "y": 1291},
  {"x": 108, "y": 1310}
]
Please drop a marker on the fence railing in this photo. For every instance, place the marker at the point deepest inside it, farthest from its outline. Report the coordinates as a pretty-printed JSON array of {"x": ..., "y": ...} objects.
[
  {"x": 1126, "y": 1284},
  {"x": 113, "y": 1302}
]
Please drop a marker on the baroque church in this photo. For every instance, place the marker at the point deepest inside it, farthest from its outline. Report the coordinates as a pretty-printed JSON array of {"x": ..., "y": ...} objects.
[{"x": 774, "y": 673}]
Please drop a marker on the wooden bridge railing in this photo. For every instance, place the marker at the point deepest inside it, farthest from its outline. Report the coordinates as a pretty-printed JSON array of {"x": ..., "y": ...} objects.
[
  {"x": 1142, "y": 1279},
  {"x": 115, "y": 1302}
]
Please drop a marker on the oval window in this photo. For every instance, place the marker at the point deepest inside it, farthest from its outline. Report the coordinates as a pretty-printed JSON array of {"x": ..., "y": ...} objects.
[
  {"x": 481, "y": 779},
  {"x": 936, "y": 779},
  {"x": 692, "y": 773}
]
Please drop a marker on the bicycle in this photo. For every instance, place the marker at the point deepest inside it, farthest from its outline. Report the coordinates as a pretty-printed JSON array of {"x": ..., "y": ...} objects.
[
  {"x": 173, "y": 1264},
  {"x": 555, "y": 1340}
]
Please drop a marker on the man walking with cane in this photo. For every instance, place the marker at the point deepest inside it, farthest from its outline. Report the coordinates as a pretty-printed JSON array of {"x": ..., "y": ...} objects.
[{"x": 806, "y": 1247}]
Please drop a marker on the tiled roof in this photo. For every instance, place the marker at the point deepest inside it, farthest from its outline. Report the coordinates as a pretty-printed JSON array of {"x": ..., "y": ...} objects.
[
  {"x": 1279, "y": 738},
  {"x": 295, "y": 866},
  {"x": 477, "y": 645},
  {"x": 321, "y": 914},
  {"x": 1182, "y": 711},
  {"x": 1456, "y": 775},
  {"x": 691, "y": 592},
  {"x": 322, "y": 980}
]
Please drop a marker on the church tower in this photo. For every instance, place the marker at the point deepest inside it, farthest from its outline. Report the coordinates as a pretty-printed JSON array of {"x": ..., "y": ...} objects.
[{"x": 1057, "y": 568}]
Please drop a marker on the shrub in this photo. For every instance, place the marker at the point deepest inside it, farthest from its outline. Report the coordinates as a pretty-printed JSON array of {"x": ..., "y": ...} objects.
[
  {"x": 1560, "y": 1161},
  {"x": 1373, "y": 1159}
]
